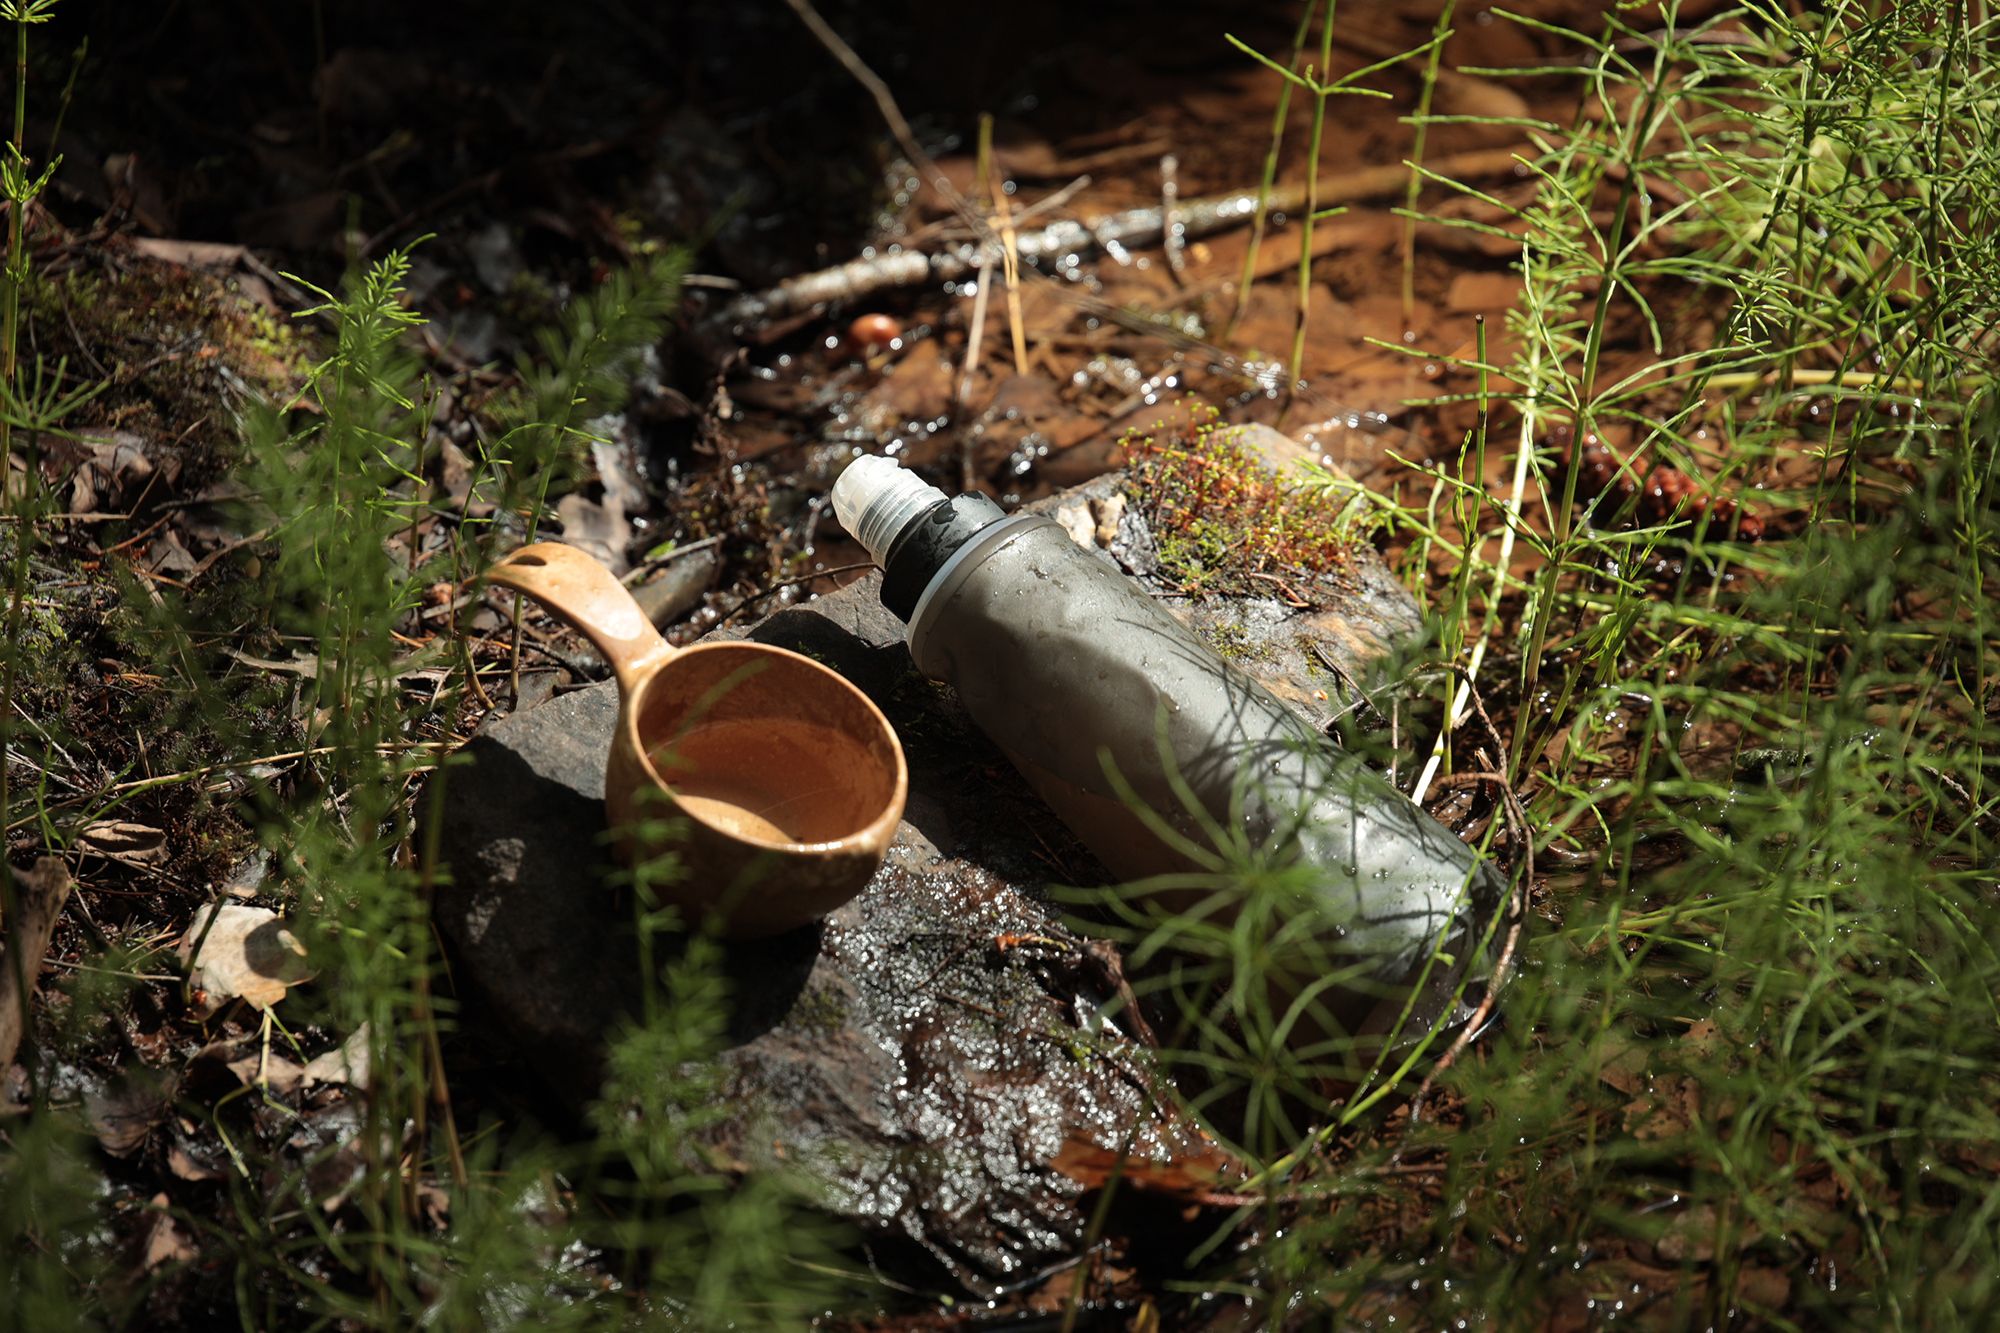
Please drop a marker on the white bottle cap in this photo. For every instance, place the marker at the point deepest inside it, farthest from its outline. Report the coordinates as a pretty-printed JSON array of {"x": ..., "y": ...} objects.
[{"x": 874, "y": 497}]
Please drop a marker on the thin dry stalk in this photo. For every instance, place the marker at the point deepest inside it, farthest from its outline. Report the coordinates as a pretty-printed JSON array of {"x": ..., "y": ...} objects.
[{"x": 1010, "y": 264}]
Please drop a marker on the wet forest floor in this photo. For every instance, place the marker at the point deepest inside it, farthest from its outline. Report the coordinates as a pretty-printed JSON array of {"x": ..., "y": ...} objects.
[{"x": 1613, "y": 1152}]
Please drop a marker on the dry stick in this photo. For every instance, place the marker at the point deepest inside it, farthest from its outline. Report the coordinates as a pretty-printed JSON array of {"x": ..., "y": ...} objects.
[
  {"x": 37, "y": 903},
  {"x": 861, "y": 278},
  {"x": 1010, "y": 262},
  {"x": 1010, "y": 268},
  {"x": 1475, "y": 704},
  {"x": 1049, "y": 203},
  {"x": 975, "y": 336},
  {"x": 641, "y": 570},
  {"x": 1173, "y": 232},
  {"x": 892, "y": 115},
  {"x": 942, "y": 227},
  {"x": 899, "y": 127},
  {"x": 975, "y": 333}
]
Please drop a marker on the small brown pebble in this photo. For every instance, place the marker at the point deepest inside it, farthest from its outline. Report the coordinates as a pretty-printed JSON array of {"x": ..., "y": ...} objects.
[
  {"x": 876, "y": 331},
  {"x": 1595, "y": 469},
  {"x": 1665, "y": 491},
  {"x": 1602, "y": 485},
  {"x": 1724, "y": 514}
]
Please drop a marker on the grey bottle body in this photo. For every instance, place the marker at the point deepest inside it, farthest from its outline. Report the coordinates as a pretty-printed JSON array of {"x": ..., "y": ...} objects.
[{"x": 1072, "y": 670}]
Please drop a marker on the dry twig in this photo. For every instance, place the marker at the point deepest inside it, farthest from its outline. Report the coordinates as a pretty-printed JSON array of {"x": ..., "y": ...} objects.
[{"x": 861, "y": 278}]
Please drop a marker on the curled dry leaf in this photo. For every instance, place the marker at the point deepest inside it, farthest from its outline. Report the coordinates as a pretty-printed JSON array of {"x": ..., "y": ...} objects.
[
  {"x": 112, "y": 468},
  {"x": 261, "y": 1068},
  {"x": 237, "y": 950},
  {"x": 1076, "y": 520},
  {"x": 1670, "y": 1106},
  {"x": 1621, "y": 1063},
  {"x": 435, "y": 1203},
  {"x": 1207, "y": 1177},
  {"x": 1763, "y": 1288},
  {"x": 13, "y": 1090},
  {"x": 123, "y": 840},
  {"x": 1109, "y": 512},
  {"x": 1467, "y": 95},
  {"x": 185, "y": 1167},
  {"x": 161, "y": 1239},
  {"x": 345, "y": 1063},
  {"x": 123, "y": 1114}
]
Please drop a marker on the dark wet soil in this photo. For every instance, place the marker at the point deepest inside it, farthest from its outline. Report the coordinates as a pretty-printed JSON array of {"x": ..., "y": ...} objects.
[{"x": 540, "y": 147}]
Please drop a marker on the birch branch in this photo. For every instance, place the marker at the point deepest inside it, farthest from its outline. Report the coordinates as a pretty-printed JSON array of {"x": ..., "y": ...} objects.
[{"x": 1060, "y": 243}]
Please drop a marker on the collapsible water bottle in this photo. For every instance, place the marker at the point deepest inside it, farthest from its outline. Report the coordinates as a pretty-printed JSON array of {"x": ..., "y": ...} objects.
[{"x": 1149, "y": 745}]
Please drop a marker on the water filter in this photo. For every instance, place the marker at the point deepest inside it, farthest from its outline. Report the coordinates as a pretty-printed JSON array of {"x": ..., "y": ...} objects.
[{"x": 1151, "y": 747}]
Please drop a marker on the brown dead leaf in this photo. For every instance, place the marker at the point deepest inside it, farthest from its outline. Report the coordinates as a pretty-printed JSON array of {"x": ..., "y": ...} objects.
[
  {"x": 305, "y": 667},
  {"x": 124, "y": 1113},
  {"x": 263, "y": 1069},
  {"x": 1469, "y": 95},
  {"x": 1702, "y": 1039},
  {"x": 185, "y": 1167},
  {"x": 1621, "y": 1064},
  {"x": 345, "y": 1063},
  {"x": 37, "y": 904},
  {"x": 1074, "y": 515},
  {"x": 1670, "y": 1107},
  {"x": 1201, "y": 1178},
  {"x": 237, "y": 950},
  {"x": 602, "y": 529},
  {"x": 161, "y": 1238},
  {"x": 1689, "y": 1235},
  {"x": 13, "y": 1090},
  {"x": 435, "y": 1203},
  {"x": 124, "y": 840},
  {"x": 1109, "y": 513},
  {"x": 111, "y": 469},
  {"x": 217, "y": 255},
  {"x": 1364, "y": 232}
]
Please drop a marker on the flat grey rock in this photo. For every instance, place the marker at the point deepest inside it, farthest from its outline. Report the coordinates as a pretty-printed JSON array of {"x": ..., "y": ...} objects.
[
  {"x": 925, "y": 1070},
  {"x": 929, "y": 1072}
]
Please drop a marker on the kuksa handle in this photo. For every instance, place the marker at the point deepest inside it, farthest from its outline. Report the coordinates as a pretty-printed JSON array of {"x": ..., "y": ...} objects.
[{"x": 578, "y": 589}]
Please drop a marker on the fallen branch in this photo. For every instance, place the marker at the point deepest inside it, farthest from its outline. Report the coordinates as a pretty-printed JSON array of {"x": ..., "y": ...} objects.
[
  {"x": 1059, "y": 242},
  {"x": 34, "y": 906}
]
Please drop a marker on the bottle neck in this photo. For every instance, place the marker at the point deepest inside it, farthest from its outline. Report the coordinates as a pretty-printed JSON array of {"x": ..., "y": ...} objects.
[{"x": 926, "y": 542}]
